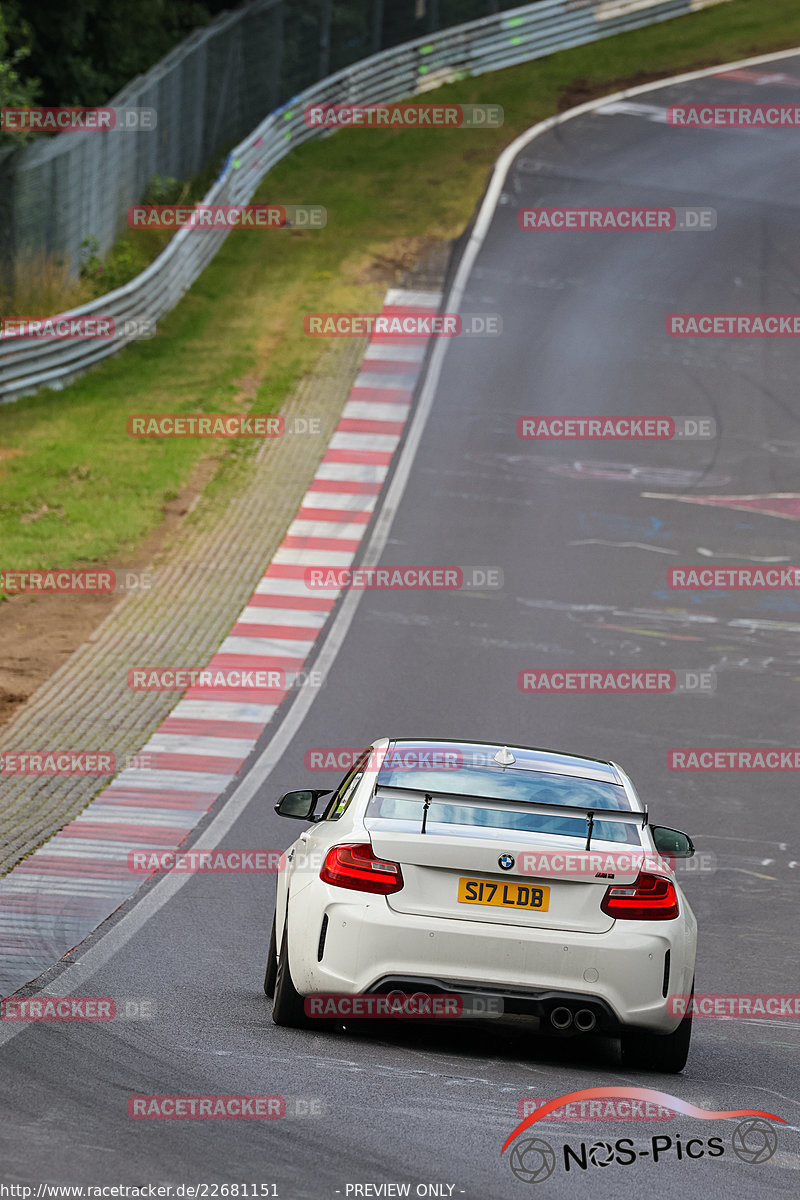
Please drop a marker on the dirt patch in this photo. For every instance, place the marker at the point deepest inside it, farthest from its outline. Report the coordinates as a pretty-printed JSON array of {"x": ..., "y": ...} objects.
[
  {"x": 38, "y": 632},
  {"x": 248, "y": 387},
  {"x": 396, "y": 259},
  {"x": 7, "y": 452},
  {"x": 582, "y": 90}
]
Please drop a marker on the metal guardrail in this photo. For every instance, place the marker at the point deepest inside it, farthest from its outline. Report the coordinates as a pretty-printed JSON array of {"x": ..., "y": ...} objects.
[{"x": 502, "y": 40}]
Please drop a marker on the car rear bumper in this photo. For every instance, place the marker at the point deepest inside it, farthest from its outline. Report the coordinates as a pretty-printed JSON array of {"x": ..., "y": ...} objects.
[{"x": 366, "y": 946}]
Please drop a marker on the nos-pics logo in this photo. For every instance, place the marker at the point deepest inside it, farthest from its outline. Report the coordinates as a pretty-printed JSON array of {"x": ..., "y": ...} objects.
[{"x": 533, "y": 1159}]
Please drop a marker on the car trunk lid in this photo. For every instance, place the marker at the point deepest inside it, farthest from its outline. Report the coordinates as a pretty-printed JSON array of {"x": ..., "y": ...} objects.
[{"x": 544, "y": 883}]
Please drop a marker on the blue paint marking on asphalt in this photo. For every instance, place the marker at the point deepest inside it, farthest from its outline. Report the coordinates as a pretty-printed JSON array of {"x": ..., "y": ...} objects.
[
  {"x": 779, "y": 602},
  {"x": 595, "y": 524},
  {"x": 695, "y": 598},
  {"x": 772, "y": 602}
]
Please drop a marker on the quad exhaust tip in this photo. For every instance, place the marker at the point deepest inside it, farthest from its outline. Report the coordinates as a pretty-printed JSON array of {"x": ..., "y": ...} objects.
[
  {"x": 585, "y": 1020},
  {"x": 561, "y": 1017}
]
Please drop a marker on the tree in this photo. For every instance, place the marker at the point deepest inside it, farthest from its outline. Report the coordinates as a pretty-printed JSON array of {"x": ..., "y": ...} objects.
[
  {"x": 15, "y": 91},
  {"x": 85, "y": 51}
]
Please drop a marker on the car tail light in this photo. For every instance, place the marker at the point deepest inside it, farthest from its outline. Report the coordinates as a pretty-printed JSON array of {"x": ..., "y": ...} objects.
[
  {"x": 649, "y": 898},
  {"x": 353, "y": 865}
]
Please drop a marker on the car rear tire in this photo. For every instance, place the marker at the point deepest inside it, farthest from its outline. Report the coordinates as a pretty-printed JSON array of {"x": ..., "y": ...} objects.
[
  {"x": 663, "y": 1052},
  {"x": 272, "y": 964},
  {"x": 287, "y": 1003}
]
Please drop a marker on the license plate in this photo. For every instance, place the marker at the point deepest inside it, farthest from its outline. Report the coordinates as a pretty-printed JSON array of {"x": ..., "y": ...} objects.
[{"x": 503, "y": 895}]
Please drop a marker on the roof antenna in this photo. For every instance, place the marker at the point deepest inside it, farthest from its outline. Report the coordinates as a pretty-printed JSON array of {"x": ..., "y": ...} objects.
[{"x": 504, "y": 757}]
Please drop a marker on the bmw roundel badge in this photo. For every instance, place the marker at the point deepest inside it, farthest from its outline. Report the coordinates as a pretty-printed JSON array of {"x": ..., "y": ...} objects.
[{"x": 506, "y": 862}]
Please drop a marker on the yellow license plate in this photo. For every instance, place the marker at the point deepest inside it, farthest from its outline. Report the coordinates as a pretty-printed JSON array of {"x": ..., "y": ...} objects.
[{"x": 503, "y": 895}]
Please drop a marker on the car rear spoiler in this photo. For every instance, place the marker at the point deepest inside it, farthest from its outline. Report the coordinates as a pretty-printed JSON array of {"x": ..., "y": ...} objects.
[{"x": 426, "y": 798}]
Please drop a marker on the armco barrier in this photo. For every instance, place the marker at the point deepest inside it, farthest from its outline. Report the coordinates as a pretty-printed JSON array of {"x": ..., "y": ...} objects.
[{"x": 502, "y": 40}]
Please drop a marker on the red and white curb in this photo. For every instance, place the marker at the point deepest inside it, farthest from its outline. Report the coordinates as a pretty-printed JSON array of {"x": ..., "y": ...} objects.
[{"x": 51, "y": 900}]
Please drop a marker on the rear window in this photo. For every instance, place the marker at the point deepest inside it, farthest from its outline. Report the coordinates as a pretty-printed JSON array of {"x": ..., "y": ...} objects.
[{"x": 519, "y": 786}]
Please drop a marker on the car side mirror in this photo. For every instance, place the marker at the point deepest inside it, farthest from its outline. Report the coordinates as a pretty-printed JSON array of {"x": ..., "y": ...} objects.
[
  {"x": 300, "y": 804},
  {"x": 672, "y": 841}
]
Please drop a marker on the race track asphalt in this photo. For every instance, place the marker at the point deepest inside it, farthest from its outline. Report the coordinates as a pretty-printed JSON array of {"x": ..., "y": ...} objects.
[{"x": 584, "y": 548}]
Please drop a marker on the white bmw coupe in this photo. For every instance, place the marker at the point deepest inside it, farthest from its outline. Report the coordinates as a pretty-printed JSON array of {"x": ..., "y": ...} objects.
[{"x": 525, "y": 875}]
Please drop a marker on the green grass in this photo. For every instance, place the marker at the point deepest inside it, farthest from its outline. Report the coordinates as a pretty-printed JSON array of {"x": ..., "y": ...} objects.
[{"x": 81, "y": 490}]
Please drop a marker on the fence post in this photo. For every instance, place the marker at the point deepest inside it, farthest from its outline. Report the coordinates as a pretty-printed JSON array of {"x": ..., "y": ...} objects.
[
  {"x": 377, "y": 26},
  {"x": 325, "y": 40},
  {"x": 276, "y": 66},
  {"x": 7, "y": 200}
]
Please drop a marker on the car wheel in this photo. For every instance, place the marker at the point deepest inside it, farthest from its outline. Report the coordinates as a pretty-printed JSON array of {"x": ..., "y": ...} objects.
[
  {"x": 287, "y": 1003},
  {"x": 664, "y": 1052},
  {"x": 272, "y": 964}
]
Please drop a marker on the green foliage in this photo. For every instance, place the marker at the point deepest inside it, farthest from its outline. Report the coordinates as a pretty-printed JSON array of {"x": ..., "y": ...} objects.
[
  {"x": 163, "y": 190},
  {"x": 125, "y": 262},
  {"x": 84, "y": 51},
  {"x": 15, "y": 91},
  {"x": 136, "y": 249}
]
